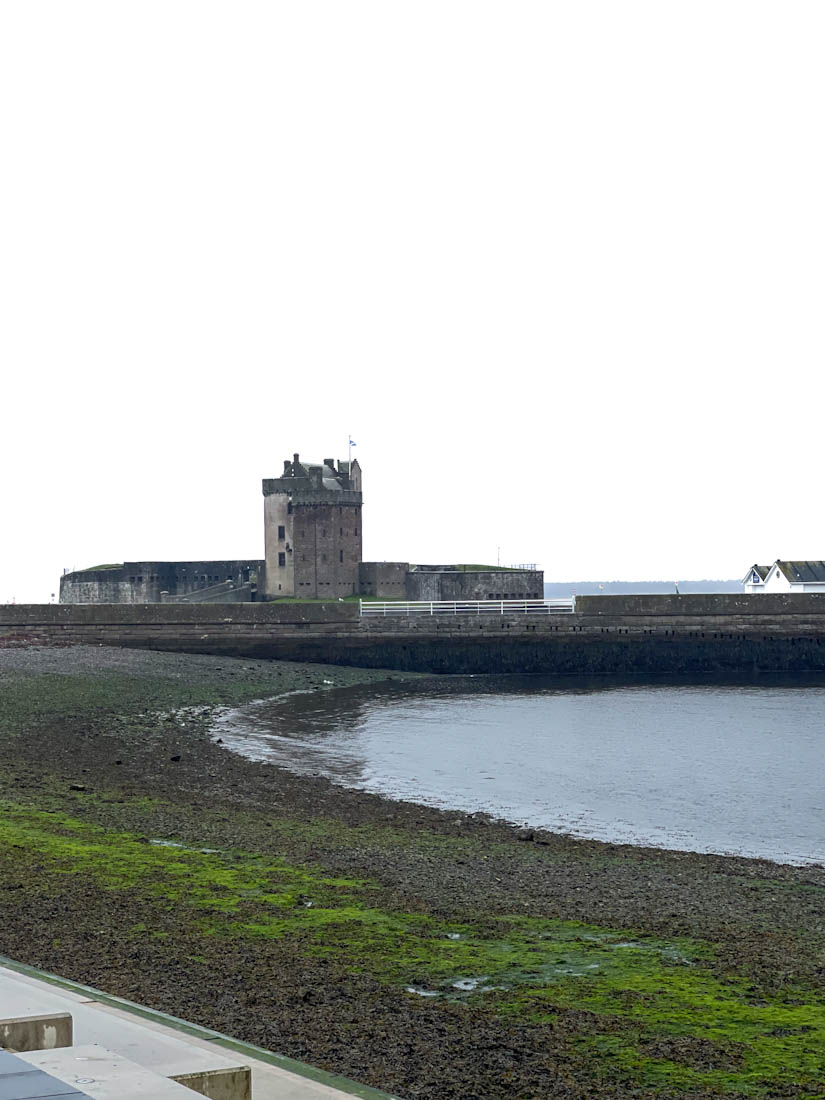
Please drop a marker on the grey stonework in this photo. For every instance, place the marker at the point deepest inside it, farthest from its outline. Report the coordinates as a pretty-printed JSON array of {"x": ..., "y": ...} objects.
[
  {"x": 449, "y": 583},
  {"x": 399, "y": 580},
  {"x": 385, "y": 579},
  {"x": 606, "y": 634},
  {"x": 157, "y": 581},
  {"x": 312, "y": 530}
]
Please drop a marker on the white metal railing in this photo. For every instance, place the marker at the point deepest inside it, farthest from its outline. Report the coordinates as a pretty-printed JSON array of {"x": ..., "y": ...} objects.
[{"x": 468, "y": 607}]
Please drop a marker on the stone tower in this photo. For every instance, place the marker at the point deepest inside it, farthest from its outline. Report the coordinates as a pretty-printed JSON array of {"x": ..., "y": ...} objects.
[{"x": 312, "y": 529}]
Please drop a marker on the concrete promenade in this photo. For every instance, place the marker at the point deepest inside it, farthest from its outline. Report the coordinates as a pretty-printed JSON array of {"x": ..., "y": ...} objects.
[
  {"x": 154, "y": 1042},
  {"x": 606, "y": 634}
]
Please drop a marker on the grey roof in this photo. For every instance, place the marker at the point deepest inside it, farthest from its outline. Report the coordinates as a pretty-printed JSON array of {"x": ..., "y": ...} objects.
[
  {"x": 761, "y": 570},
  {"x": 803, "y": 572}
]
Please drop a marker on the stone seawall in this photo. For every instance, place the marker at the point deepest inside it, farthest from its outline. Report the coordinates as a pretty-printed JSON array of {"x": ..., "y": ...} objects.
[{"x": 606, "y": 634}]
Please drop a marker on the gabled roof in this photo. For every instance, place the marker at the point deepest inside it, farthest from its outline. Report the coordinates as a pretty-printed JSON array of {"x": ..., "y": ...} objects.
[
  {"x": 760, "y": 570},
  {"x": 803, "y": 572}
]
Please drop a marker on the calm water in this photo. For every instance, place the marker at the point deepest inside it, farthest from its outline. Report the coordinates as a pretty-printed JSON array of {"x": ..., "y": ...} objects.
[{"x": 717, "y": 767}]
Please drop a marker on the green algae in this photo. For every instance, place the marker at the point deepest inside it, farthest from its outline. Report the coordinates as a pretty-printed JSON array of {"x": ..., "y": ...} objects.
[{"x": 638, "y": 997}]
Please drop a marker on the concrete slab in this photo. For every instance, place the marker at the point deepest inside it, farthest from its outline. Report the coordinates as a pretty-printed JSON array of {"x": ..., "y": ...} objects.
[
  {"x": 76, "y": 994},
  {"x": 268, "y": 1082},
  {"x": 21, "y": 1081},
  {"x": 103, "y": 1075}
]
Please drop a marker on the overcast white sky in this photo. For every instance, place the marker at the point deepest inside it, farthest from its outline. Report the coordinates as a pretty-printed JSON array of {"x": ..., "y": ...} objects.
[{"x": 557, "y": 267}]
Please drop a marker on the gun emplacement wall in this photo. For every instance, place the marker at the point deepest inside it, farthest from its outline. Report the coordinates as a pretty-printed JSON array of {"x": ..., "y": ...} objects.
[{"x": 606, "y": 634}]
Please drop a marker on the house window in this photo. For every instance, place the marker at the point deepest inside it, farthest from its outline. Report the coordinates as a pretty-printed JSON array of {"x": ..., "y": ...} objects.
[
  {"x": 281, "y": 532},
  {"x": 282, "y": 559}
]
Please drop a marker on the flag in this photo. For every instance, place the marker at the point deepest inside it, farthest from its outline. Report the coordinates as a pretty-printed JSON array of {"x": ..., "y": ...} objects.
[{"x": 352, "y": 443}]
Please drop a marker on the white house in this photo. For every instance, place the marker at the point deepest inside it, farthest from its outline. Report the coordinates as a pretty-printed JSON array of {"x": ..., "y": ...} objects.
[
  {"x": 754, "y": 579},
  {"x": 786, "y": 576}
]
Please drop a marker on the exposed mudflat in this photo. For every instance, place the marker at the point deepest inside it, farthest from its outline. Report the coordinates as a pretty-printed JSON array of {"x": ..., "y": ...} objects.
[{"x": 96, "y": 736}]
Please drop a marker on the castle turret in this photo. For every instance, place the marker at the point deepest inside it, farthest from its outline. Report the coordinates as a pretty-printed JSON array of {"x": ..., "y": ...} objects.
[{"x": 312, "y": 529}]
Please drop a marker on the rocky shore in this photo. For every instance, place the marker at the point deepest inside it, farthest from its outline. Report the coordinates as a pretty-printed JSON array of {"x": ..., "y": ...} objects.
[{"x": 426, "y": 953}]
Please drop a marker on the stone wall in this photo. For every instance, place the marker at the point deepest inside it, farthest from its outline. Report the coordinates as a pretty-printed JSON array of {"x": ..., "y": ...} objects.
[
  {"x": 454, "y": 584},
  {"x": 313, "y": 547},
  {"x": 312, "y": 530},
  {"x": 617, "y": 635},
  {"x": 140, "y": 582},
  {"x": 719, "y": 603},
  {"x": 327, "y": 549},
  {"x": 384, "y": 579}
]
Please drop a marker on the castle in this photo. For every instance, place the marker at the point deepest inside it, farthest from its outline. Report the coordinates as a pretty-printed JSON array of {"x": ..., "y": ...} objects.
[
  {"x": 312, "y": 550},
  {"x": 312, "y": 529}
]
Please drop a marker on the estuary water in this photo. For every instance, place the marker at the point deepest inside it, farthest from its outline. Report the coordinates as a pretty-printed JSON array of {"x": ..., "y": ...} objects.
[{"x": 730, "y": 767}]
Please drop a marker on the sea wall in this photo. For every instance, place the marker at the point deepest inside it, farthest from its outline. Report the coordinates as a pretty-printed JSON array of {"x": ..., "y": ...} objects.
[{"x": 637, "y": 634}]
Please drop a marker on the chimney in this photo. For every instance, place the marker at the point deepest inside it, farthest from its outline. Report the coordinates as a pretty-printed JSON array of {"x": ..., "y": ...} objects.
[
  {"x": 286, "y": 464},
  {"x": 295, "y": 458},
  {"x": 330, "y": 462}
]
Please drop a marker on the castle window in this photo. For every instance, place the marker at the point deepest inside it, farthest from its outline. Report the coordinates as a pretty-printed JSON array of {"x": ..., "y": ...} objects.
[
  {"x": 324, "y": 533},
  {"x": 356, "y": 531},
  {"x": 282, "y": 559},
  {"x": 281, "y": 532},
  {"x": 340, "y": 555},
  {"x": 341, "y": 530},
  {"x": 289, "y": 507},
  {"x": 323, "y": 557}
]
